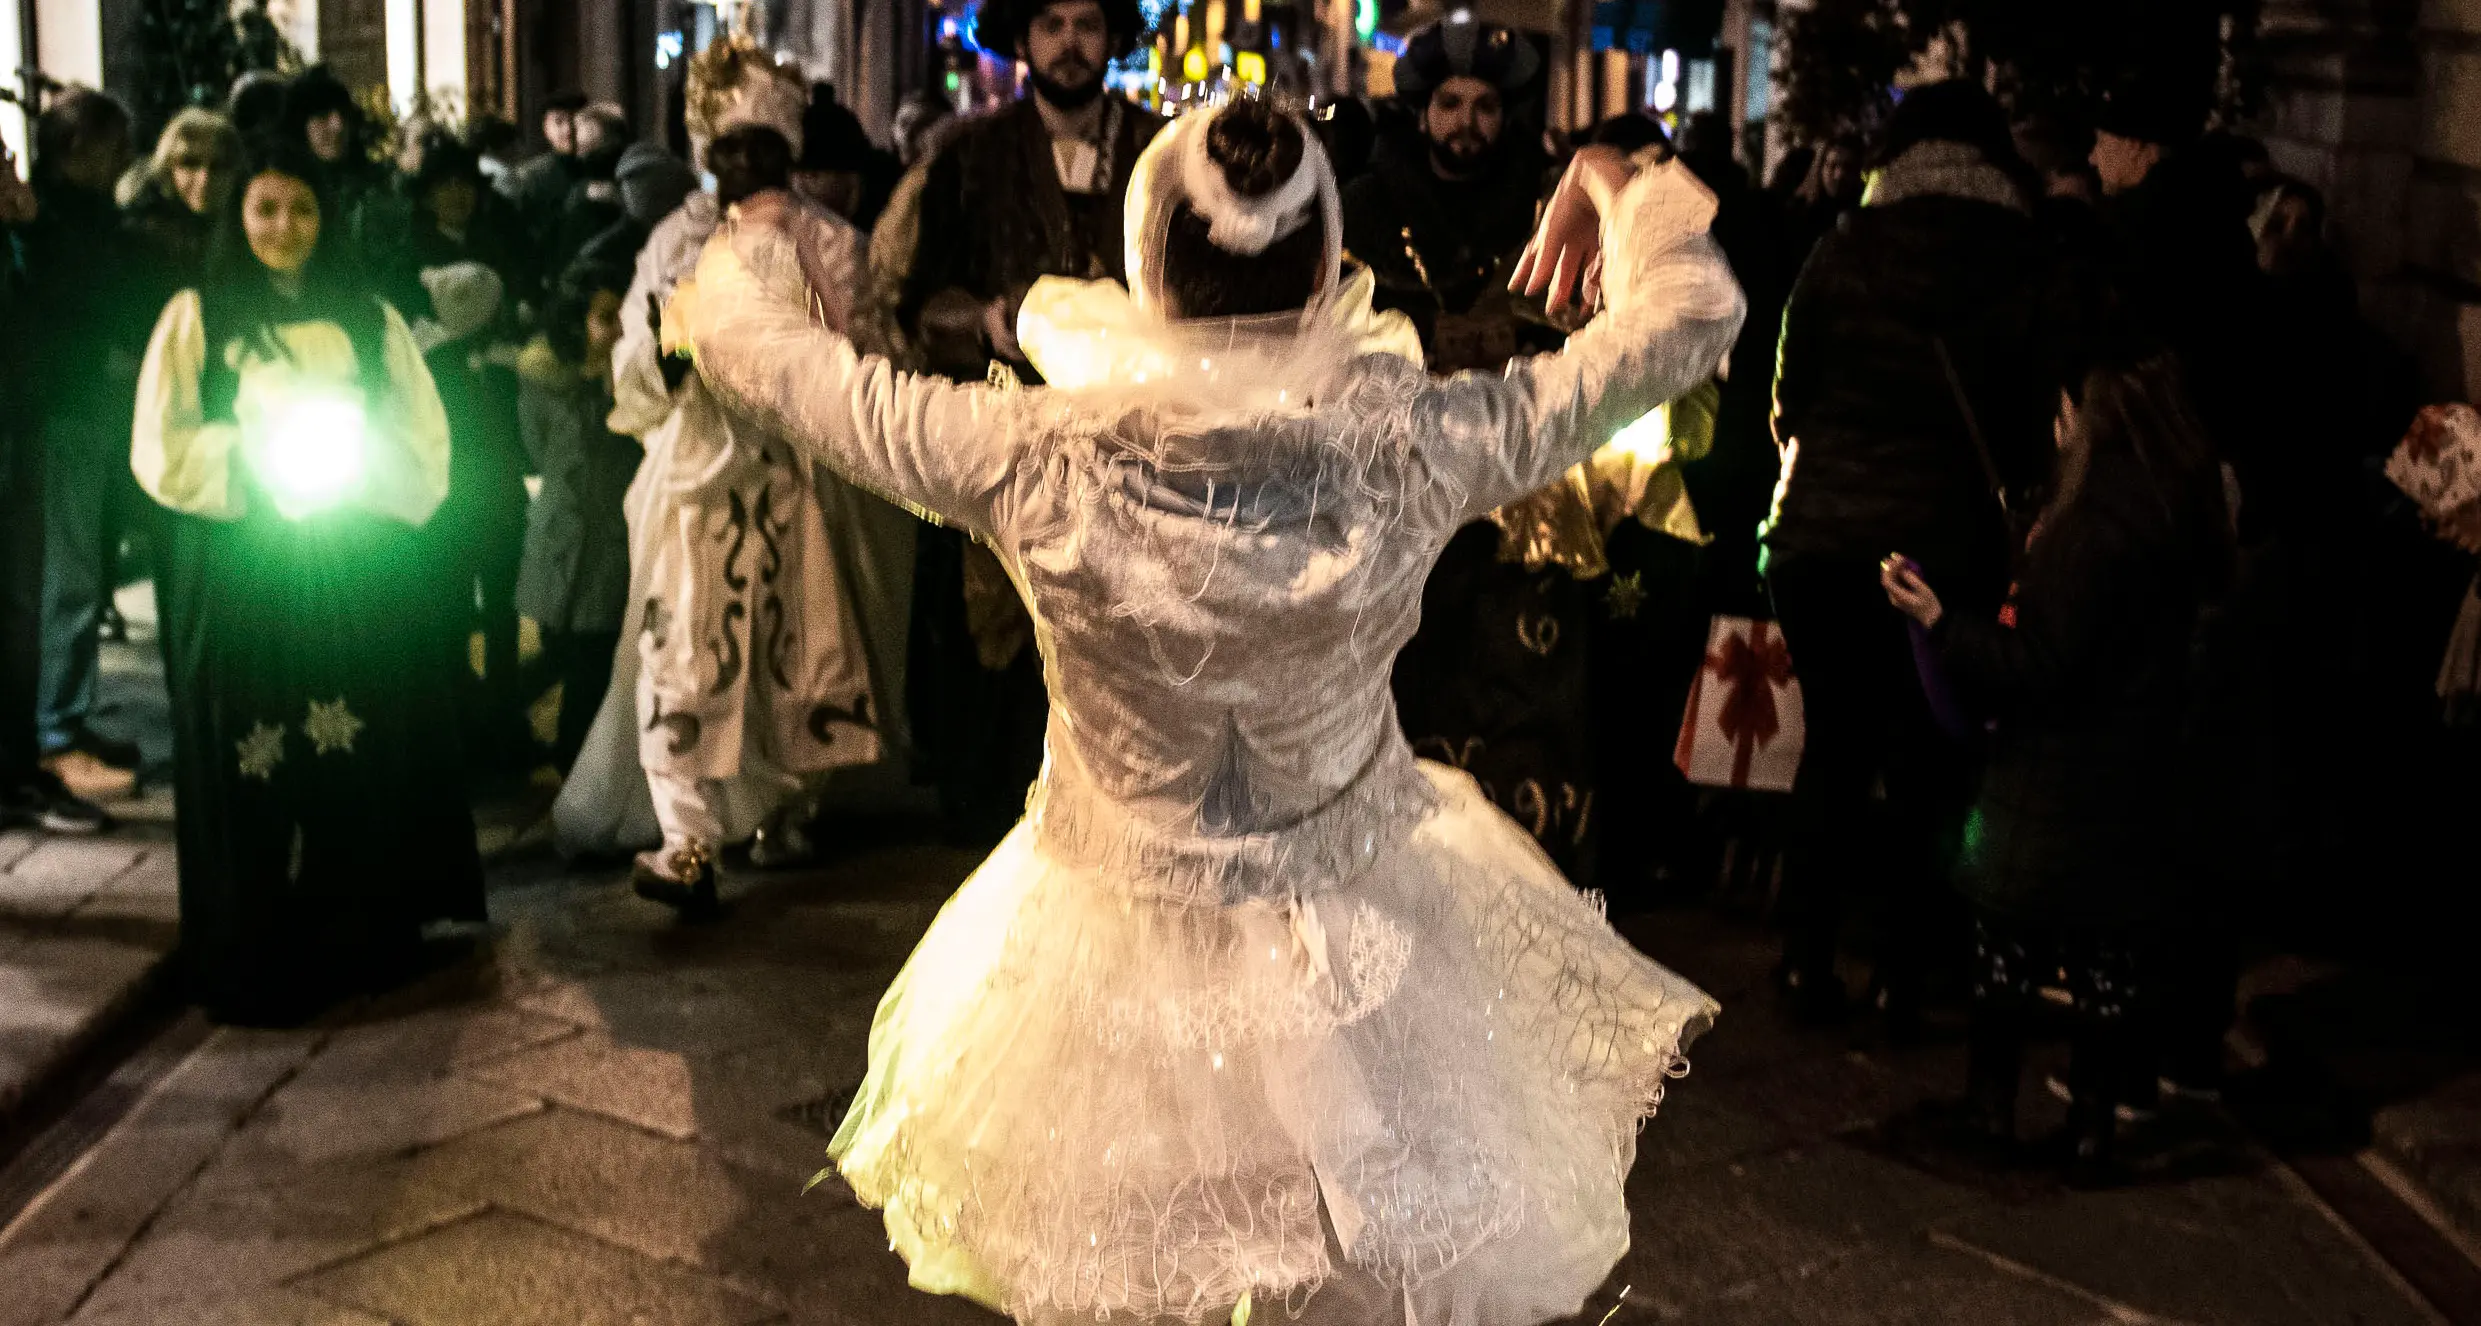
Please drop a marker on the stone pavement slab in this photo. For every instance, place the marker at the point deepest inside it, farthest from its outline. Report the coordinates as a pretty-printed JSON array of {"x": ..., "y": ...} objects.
[
  {"x": 70, "y": 1236},
  {"x": 648, "y": 1089},
  {"x": 84, "y": 924},
  {"x": 274, "y": 1307},
  {"x": 218, "y": 1247},
  {"x": 57, "y": 993},
  {"x": 60, "y": 873},
  {"x": 1909, "y": 1281},
  {"x": 342, "y": 1108},
  {"x": 501, "y": 1269},
  {"x": 2244, "y": 1249}
]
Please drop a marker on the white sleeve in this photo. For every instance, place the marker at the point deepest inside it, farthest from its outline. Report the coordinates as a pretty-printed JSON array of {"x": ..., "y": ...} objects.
[
  {"x": 939, "y": 447},
  {"x": 409, "y": 439},
  {"x": 1671, "y": 311},
  {"x": 181, "y": 460},
  {"x": 640, "y": 399}
]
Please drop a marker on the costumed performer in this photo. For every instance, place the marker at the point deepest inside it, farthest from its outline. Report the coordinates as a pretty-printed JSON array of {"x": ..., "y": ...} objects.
[
  {"x": 1253, "y": 1007},
  {"x": 743, "y": 676}
]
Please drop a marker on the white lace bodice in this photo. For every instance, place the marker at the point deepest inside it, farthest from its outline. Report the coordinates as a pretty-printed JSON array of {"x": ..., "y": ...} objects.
[{"x": 1223, "y": 558}]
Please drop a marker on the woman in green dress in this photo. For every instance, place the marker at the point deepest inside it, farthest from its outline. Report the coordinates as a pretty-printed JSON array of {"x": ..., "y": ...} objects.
[{"x": 286, "y": 421}]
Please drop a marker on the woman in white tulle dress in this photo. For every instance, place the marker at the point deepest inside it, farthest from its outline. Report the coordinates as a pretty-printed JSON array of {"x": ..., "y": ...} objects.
[{"x": 1253, "y": 1007}]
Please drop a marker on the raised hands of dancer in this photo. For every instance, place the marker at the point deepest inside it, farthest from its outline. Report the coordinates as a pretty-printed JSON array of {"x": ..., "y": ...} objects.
[{"x": 1564, "y": 258}]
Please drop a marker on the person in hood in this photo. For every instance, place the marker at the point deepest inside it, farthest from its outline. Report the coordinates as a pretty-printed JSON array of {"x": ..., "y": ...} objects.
[
  {"x": 321, "y": 115},
  {"x": 652, "y": 183}
]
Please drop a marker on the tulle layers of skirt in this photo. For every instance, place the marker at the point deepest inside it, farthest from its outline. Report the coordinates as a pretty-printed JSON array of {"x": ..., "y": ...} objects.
[{"x": 1413, "y": 1093}]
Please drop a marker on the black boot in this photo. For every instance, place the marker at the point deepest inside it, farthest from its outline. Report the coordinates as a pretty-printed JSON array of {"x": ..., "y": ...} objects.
[{"x": 2097, "y": 1078}]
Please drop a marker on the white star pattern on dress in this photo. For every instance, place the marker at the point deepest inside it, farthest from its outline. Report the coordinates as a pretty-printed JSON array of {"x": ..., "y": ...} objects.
[
  {"x": 332, "y": 727},
  {"x": 261, "y": 752}
]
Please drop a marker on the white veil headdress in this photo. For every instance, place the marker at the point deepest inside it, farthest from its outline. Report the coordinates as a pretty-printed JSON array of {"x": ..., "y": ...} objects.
[{"x": 1093, "y": 334}]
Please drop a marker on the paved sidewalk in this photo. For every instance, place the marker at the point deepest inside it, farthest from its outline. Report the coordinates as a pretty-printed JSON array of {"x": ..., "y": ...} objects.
[
  {"x": 83, "y": 924},
  {"x": 86, "y": 922},
  {"x": 603, "y": 1118}
]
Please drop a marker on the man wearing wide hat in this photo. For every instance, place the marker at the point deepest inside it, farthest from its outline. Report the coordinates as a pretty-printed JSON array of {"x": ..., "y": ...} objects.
[{"x": 1031, "y": 191}]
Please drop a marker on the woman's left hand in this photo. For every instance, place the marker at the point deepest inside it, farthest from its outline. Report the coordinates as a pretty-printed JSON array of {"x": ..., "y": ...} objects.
[{"x": 1911, "y": 595}]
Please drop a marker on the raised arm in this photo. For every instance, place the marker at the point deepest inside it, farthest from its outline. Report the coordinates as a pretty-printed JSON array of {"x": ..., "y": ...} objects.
[
  {"x": 1671, "y": 311},
  {"x": 931, "y": 444}
]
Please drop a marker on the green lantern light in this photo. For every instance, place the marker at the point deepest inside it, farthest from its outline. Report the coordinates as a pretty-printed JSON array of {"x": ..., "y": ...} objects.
[{"x": 310, "y": 452}]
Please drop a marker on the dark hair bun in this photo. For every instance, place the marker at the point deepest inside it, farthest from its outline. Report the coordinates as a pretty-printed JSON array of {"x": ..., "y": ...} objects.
[{"x": 1257, "y": 146}]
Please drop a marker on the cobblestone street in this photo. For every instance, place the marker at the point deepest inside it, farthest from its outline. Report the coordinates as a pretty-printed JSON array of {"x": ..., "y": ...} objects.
[{"x": 598, "y": 1117}]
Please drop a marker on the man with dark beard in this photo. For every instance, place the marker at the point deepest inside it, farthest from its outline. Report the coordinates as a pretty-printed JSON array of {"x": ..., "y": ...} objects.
[
  {"x": 1500, "y": 679},
  {"x": 1031, "y": 191},
  {"x": 1438, "y": 223}
]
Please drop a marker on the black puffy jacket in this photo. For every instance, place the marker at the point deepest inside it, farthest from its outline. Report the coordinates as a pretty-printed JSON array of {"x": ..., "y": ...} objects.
[{"x": 1884, "y": 460}]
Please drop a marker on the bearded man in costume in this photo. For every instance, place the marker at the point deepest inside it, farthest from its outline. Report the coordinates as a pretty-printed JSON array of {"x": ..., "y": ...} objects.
[
  {"x": 1548, "y": 638},
  {"x": 1035, "y": 190},
  {"x": 746, "y": 669}
]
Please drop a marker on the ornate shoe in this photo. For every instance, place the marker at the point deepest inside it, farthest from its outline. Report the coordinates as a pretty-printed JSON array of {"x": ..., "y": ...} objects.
[
  {"x": 782, "y": 845},
  {"x": 682, "y": 878}
]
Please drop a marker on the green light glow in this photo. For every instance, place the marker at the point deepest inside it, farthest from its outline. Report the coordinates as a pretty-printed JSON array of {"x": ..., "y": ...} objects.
[{"x": 310, "y": 455}]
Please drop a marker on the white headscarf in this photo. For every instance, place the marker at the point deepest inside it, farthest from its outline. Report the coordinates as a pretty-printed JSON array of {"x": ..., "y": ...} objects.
[{"x": 1175, "y": 169}]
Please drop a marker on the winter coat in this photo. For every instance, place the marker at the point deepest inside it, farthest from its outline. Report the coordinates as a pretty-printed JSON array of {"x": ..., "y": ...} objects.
[
  {"x": 89, "y": 293},
  {"x": 170, "y": 239},
  {"x": 2088, "y": 689},
  {"x": 575, "y": 576},
  {"x": 1436, "y": 246},
  {"x": 993, "y": 219},
  {"x": 1942, "y": 257}
]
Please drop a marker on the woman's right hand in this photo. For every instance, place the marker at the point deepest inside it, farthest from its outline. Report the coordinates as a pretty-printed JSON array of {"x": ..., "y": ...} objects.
[{"x": 1564, "y": 257}]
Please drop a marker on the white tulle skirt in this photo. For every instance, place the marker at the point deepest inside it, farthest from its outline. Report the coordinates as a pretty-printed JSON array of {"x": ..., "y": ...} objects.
[{"x": 1410, "y": 1097}]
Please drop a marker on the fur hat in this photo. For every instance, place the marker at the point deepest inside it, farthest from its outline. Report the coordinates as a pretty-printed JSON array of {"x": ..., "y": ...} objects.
[
  {"x": 1461, "y": 46},
  {"x": 734, "y": 82}
]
